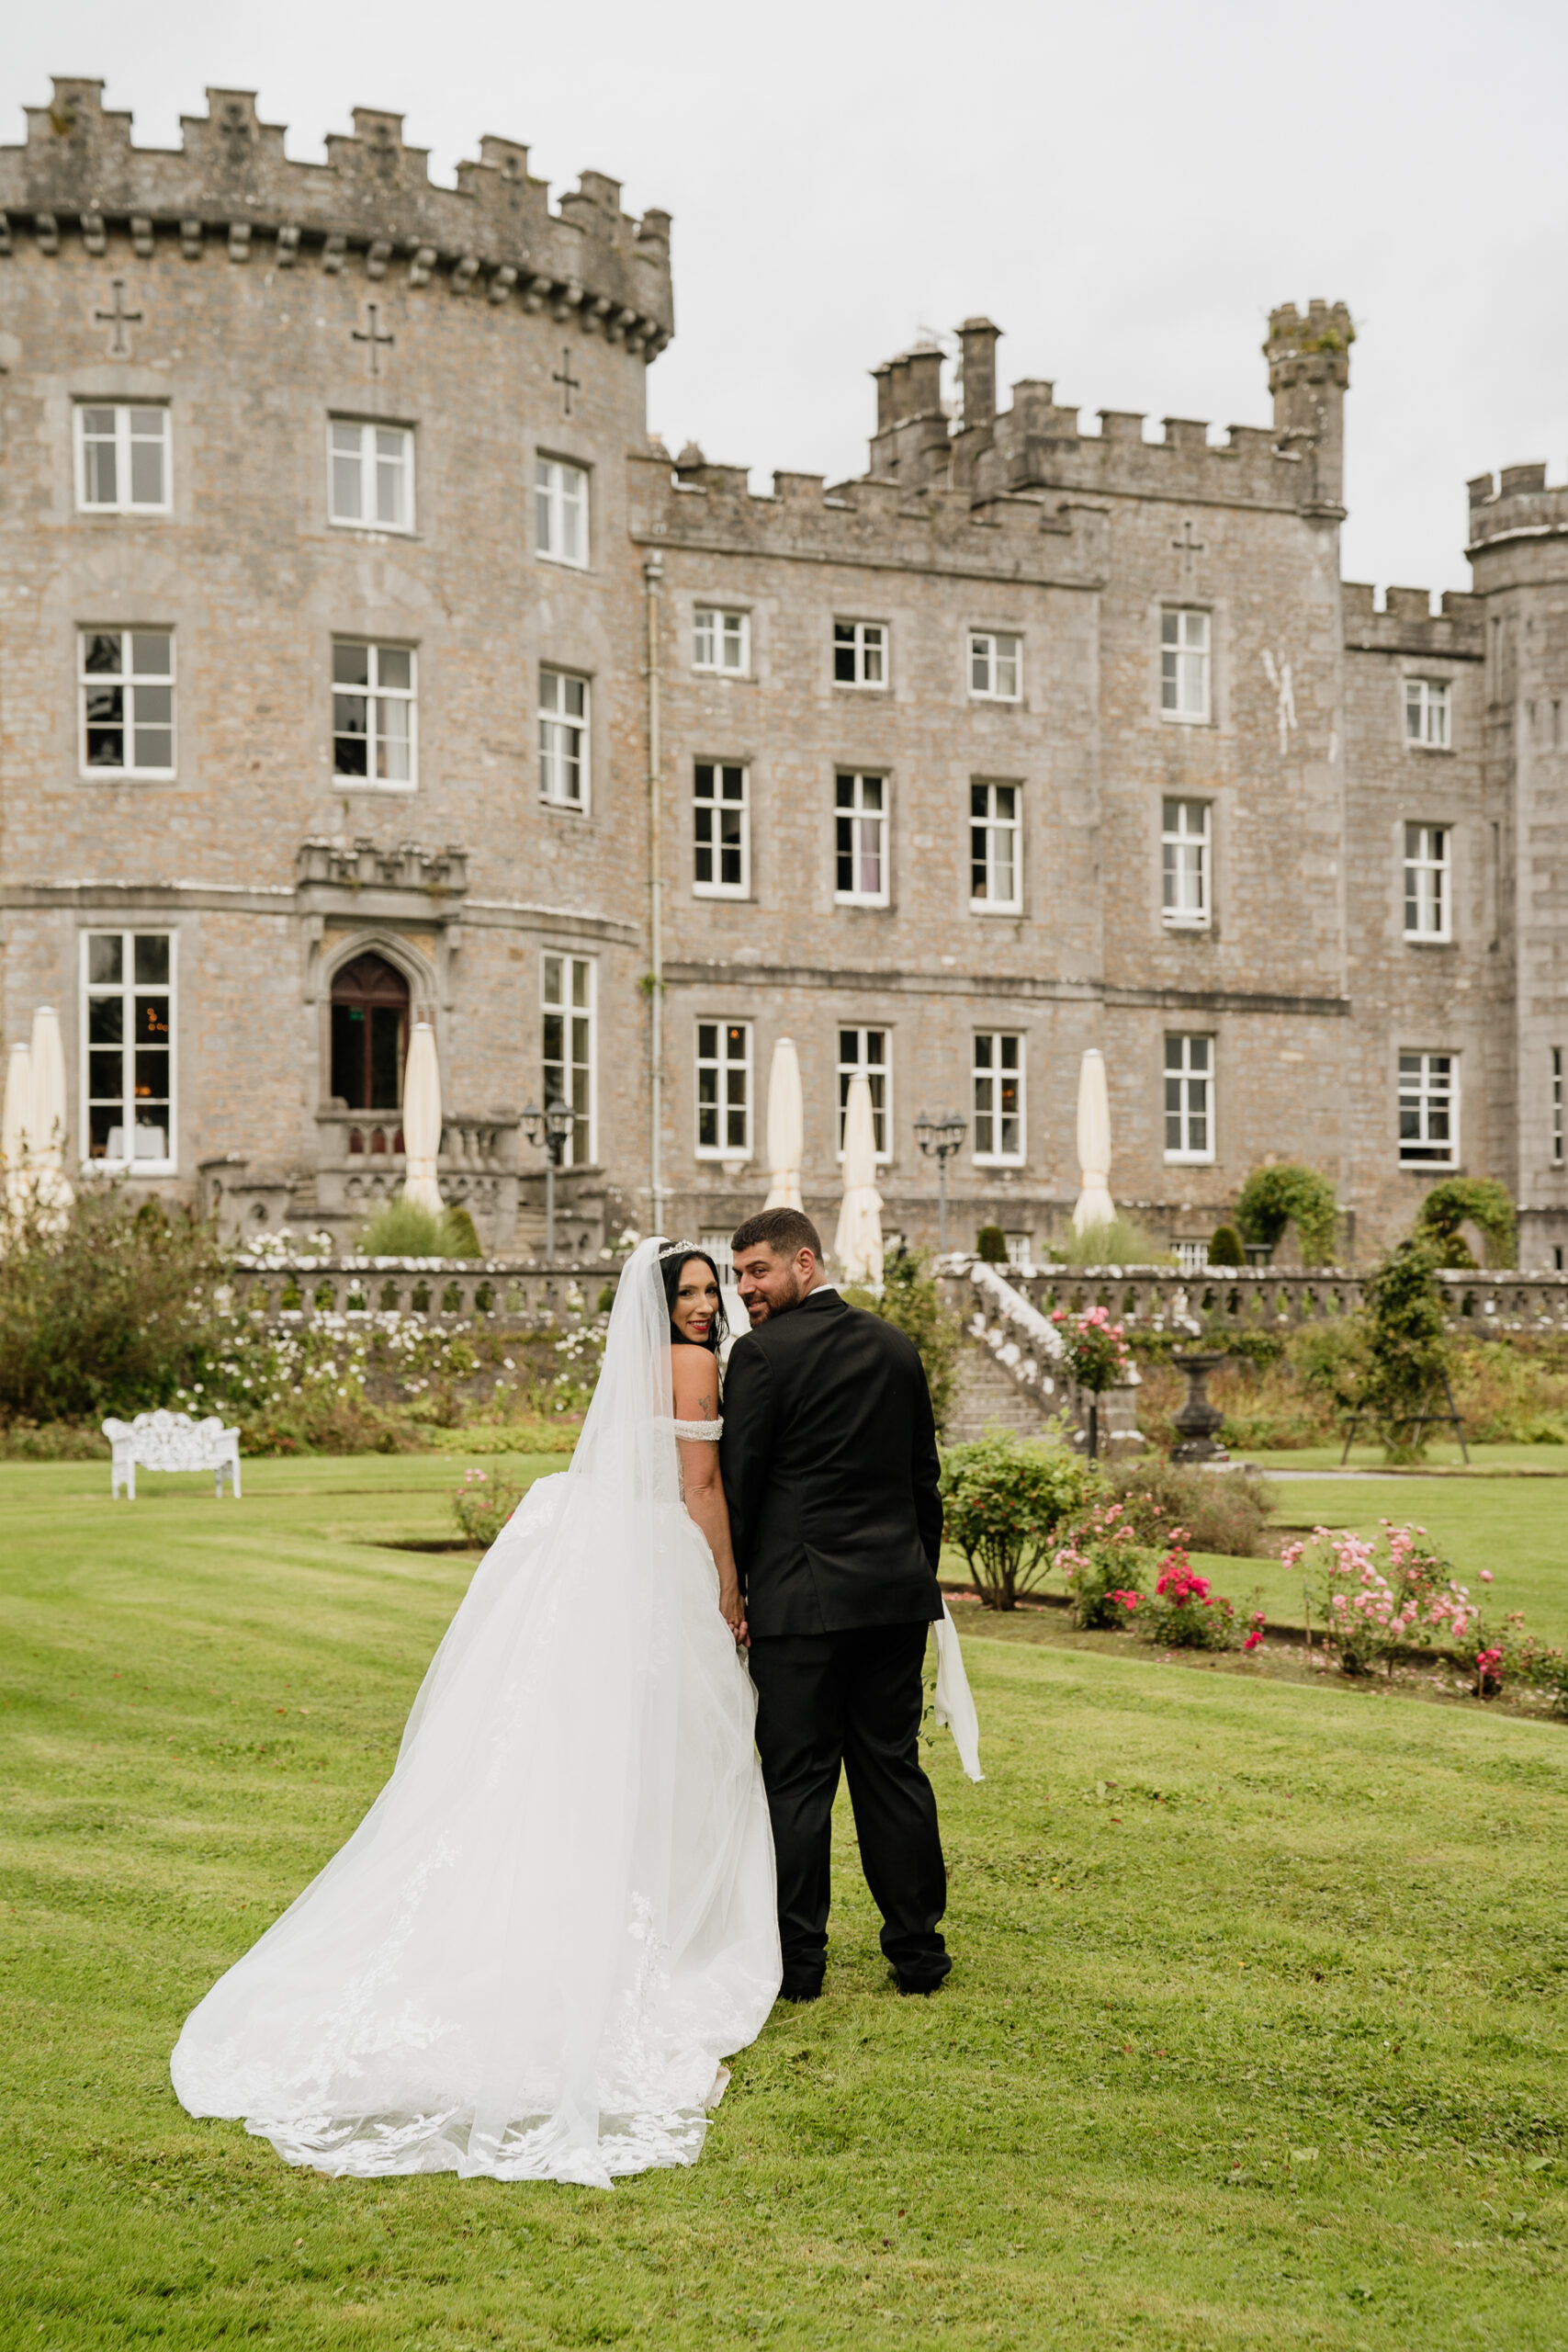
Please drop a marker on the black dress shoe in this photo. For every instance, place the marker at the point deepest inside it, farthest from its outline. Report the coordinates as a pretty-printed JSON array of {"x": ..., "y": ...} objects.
[
  {"x": 801, "y": 1990},
  {"x": 922, "y": 1985}
]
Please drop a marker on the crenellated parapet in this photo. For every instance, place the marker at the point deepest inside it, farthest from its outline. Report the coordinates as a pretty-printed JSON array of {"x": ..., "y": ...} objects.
[
  {"x": 934, "y": 529},
  {"x": 1406, "y": 623},
  {"x": 230, "y": 188},
  {"x": 1518, "y": 527}
]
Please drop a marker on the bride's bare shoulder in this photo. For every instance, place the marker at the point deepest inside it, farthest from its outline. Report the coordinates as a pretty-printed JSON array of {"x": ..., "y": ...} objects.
[{"x": 693, "y": 1376}]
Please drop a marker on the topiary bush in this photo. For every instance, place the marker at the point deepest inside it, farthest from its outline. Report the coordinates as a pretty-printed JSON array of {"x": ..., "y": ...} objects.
[
  {"x": 991, "y": 1246},
  {"x": 1226, "y": 1249},
  {"x": 1407, "y": 1349},
  {"x": 1290, "y": 1194},
  {"x": 1475, "y": 1199}
]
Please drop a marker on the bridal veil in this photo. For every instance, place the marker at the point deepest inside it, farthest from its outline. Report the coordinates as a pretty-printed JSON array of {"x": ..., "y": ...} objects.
[{"x": 558, "y": 1918}]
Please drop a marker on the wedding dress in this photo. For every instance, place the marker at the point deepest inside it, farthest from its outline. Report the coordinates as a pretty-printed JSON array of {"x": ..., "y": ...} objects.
[{"x": 558, "y": 1917}]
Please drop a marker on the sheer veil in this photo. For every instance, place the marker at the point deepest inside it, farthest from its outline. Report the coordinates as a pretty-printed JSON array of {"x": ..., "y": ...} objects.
[{"x": 558, "y": 1918}]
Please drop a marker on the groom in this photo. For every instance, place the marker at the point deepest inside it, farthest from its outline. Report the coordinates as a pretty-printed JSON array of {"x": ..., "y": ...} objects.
[{"x": 830, "y": 1470}]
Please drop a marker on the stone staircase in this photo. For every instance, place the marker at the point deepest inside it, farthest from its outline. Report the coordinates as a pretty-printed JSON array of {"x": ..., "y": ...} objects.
[{"x": 986, "y": 1395}]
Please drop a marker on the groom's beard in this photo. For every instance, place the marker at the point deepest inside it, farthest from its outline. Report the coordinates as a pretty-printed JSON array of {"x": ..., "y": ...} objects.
[{"x": 759, "y": 1308}]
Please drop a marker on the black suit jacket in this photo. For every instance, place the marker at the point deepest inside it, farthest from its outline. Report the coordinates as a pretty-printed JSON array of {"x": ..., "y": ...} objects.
[{"x": 830, "y": 1472}]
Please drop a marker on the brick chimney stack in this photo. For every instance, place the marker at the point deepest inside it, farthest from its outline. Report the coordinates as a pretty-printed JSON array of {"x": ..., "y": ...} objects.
[
  {"x": 979, "y": 338},
  {"x": 1309, "y": 369}
]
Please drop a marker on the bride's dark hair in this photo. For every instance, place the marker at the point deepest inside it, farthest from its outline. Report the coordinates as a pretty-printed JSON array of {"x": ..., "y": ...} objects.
[{"x": 671, "y": 1266}]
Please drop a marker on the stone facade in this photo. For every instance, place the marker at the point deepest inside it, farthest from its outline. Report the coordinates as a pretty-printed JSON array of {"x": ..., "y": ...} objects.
[{"x": 252, "y": 302}]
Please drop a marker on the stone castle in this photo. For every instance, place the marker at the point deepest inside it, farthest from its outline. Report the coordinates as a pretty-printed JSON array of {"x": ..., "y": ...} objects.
[{"x": 364, "y": 661}]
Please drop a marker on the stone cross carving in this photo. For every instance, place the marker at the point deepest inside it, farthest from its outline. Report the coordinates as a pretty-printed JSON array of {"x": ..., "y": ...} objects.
[
  {"x": 235, "y": 132},
  {"x": 1189, "y": 550},
  {"x": 568, "y": 382},
  {"x": 117, "y": 320},
  {"x": 373, "y": 337}
]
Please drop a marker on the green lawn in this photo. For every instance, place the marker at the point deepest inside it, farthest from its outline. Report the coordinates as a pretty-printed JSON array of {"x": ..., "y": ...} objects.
[{"x": 1255, "y": 2037}]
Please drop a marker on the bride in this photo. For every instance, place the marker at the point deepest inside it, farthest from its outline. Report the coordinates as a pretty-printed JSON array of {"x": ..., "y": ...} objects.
[{"x": 558, "y": 1918}]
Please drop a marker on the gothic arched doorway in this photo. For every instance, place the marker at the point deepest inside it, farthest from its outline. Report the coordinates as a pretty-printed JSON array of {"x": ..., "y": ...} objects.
[{"x": 370, "y": 1035}]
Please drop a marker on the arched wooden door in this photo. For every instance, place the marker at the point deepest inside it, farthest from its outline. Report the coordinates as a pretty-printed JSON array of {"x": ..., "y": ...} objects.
[{"x": 370, "y": 1035}]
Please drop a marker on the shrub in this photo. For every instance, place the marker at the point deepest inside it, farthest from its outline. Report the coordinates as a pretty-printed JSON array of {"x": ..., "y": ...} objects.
[
  {"x": 483, "y": 1504},
  {"x": 1226, "y": 1248},
  {"x": 109, "y": 1312},
  {"x": 910, "y": 1300},
  {"x": 1005, "y": 1501},
  {"x": 1478, "y": 1200},
  {"x": 1273, "y": 1198},
  {"x": 1407, "y": 1349},
  {"x": 1122, "y": 1242},
  {"x": 1103, "y": 1564},
  {"x": 1185, "y": 1614},
  {"x": 991, "y": 1246},
  {"x": 1226, "y": 1513},
  {"x": 402, "y": 1228},
  {"x": 1373, "y": 1600}
]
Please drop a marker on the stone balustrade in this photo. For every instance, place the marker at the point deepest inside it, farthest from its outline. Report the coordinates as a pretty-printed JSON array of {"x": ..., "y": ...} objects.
[
  {"x": 506, "y": 1292},
  {"x": 1261, "y": 1298}
]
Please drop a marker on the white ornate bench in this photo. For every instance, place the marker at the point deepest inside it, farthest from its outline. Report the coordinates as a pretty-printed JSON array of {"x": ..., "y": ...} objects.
[{"x": 172, "y": 1442}]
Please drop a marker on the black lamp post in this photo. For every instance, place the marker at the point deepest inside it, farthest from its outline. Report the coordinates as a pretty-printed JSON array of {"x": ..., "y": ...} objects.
[
  {"x": 551, "y": 1126},
  {"x": 939, "y": 1139}
]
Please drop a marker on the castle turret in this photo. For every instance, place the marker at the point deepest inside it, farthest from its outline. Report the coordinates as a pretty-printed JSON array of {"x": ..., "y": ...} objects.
[{"x": 1309, "y": 371}]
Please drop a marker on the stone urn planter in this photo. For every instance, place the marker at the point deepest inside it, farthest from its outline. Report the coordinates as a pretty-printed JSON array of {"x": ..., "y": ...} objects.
[{"x": 1199, "y": 1421}]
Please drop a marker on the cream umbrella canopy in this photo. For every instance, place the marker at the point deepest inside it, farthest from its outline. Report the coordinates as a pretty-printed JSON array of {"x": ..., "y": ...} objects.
[
  {"x": 1095, "y": 1206},
  {"x": 46, "y": 1128},
  {"x": 857, "y": 1245},
  {"x": 18, "y": 1113},
  {"x": 422, "y": 1120},
  {"x": 786, "y": 1127}
]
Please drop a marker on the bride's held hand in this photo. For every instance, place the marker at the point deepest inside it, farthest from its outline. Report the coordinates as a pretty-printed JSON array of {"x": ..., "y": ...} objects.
[{"x": 732, "y": 1609}]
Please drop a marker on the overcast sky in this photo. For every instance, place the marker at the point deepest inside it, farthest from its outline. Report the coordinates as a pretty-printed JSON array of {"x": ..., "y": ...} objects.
[{"x": 1126, "y": 188}]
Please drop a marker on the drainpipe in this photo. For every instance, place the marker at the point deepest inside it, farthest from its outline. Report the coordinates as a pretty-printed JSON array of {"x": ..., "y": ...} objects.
[{"x": 653, "y": 573}]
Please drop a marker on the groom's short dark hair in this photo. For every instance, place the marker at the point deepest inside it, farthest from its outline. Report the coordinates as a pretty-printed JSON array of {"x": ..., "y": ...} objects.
[{"x": 785, "y": 1232}]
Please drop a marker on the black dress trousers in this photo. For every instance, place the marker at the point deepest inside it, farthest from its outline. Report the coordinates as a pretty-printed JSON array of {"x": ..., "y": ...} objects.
[{"x": 850, "y": 1700}]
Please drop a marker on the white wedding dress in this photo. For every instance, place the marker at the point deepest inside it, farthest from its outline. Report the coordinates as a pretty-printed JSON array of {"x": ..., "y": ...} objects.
[{"x": 558, "y": 1918}]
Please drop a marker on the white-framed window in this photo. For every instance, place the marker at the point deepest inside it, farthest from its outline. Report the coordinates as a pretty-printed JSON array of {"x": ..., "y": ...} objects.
[
  {"x": 1184, "y": 664},
  {"x": 1184, "y": 863},
  {"x": 122, "y": 458},
  {"x": 128, "y": 1037},
  {"x": 868, "y": 1050},
  {"x": 860, "y": 841},
  {"x": 1427, "y": 891},
  {"x": 1021, "y": 1251},
  {"x": 567, "y": 994},
  {"x": 998, "y": 1097},
  {"x": 996, "y": 666},
  {"x": 996, "y": 844},
  {"x": 721, "y": 830},
  {"x": 1557, "y": 1106},
  {"x": 1192, "y": 1257},
  {"x": 375, "y": 713},
  {"x": 370, "y": 474},
  {"x": 1428, "y": 1110},
  {"x": 563, "y": 739},
  {"x": 721, "y": 641},
  {"x": 1426, "y": 713},
  {"x": 560, "y": 511},
  {"x": 724, "y": 1089},
  {"x": 859, "y": 653},
  {"x": 126, "y": 682},
  {"x": 1189, "y": 1098}
]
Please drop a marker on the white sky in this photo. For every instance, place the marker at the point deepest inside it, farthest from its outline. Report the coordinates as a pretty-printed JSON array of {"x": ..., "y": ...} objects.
[{"x": 1125, "y": 188}]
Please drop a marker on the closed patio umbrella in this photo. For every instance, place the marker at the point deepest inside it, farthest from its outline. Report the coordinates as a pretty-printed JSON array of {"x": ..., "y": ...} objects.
[
  {"x": 14, "y": 1129},
  {"x": 786, "y": 1127},
  {"x": 422, "y": 1120},
  {"x": 1095, "y": 1206},
  {"x": 858, "y": 1242},
  {"x": 46, "y": 1128}
]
